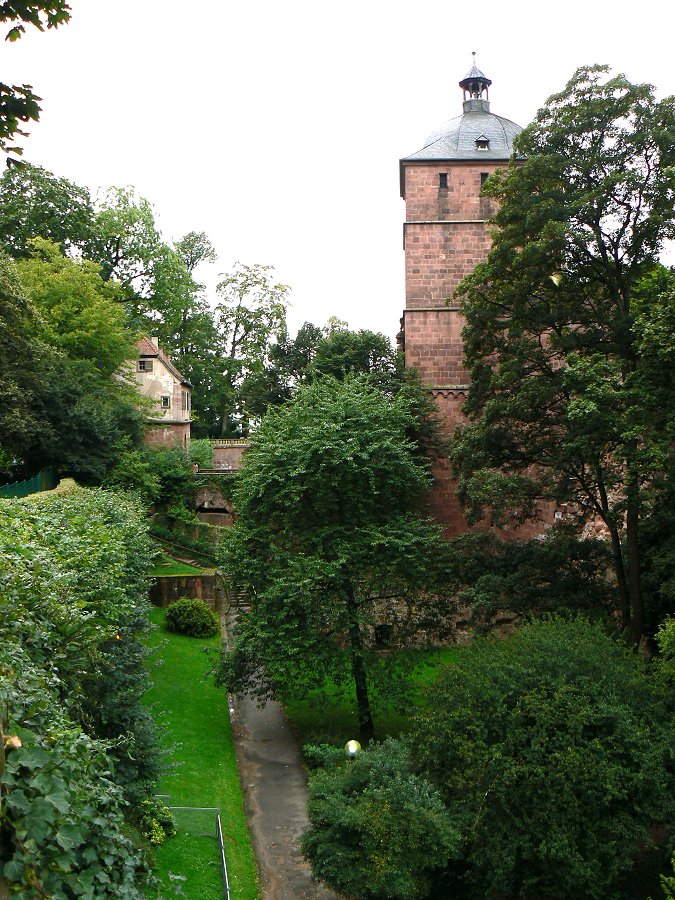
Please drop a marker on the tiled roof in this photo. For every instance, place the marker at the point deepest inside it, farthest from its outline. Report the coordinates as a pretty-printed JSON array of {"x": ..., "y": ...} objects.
[
  {"x": 456, "y": 139},
  {"x": 147, "y": 349}
]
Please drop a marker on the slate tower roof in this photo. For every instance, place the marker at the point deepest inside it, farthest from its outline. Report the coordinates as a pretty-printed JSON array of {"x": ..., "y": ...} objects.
[{"x": 476, "y": 134}]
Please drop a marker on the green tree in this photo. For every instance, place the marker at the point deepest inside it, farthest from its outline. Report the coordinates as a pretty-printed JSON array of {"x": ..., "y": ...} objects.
[
  {"x": 377, "y": 829},
  {"x": 491, "y": 575},
  {"x": 250, "y": 318},
  {"x": 550, "y": 753},
  {"x": 80, "y": 314},
  {"x": 37, "y": 203},
  {"x": 566, "y": 401},
  {"x": 87, "y": 420},
  {"x": 20, "y": 373},
  {"x": 336, "y": 563},
  {"x": 18, "y": 103}
]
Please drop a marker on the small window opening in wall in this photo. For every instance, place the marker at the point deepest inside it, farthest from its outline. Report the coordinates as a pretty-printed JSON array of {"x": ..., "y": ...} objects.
[
  {"x": 166, "y": 402},
  {"x": 145, "y": 365},
  {"x": 443, "y": 179},
  {"x": 483, "y": 178}
]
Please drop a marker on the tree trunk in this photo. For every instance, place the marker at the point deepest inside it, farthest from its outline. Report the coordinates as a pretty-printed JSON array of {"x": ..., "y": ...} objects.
[
  {"x": 366, "y": 726},
  {"x": 633, "y": 560},
  {"x": 621, "y": 580}
]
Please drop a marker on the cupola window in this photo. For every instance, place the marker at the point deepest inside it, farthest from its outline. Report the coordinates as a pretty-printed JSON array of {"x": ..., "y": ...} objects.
[{"x": 482, "y": 143}]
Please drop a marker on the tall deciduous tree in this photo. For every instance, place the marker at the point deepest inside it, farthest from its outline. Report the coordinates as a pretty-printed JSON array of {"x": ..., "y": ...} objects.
[
  {"x": 37, "y": 203},
  {"x": 566, "y": 403},
  {"x": 250, "y": 318},
  {"x": 80, "y": 313},
  {"x": 336, "y": 564}
]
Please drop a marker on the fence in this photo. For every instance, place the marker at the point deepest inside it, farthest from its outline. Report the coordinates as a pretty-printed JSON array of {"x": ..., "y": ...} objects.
[
  {"x": 203, "y": 821},
  {"x": 45, "y": 480}
]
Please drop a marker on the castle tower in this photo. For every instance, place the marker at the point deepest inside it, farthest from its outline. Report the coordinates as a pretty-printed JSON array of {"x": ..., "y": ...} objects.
[{"x": 445, "y": 236}]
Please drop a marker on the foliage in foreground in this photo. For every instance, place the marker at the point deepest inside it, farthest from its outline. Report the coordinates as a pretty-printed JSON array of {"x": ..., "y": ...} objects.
[
  {"x": 73, "y": 583},
  {"x": 550, "y": 754},
  {"x": 337, "y": 563},
  {"x": 378, "y": 830}
]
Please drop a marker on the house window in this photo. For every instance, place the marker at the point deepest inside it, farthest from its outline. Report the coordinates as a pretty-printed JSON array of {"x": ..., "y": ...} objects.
[
  {"x": 145, "y": 365},
  {"x": 442, "y": 179},
  {"x": 166, "y": 402},
  {"x": 184, "y": 397}
]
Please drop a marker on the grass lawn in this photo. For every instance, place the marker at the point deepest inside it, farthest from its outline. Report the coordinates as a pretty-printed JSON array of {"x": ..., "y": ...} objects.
[
  {"x": 166, "y": 565},
  {"x": 203, "y": 768},
  {"x": 330, "y": 716}
]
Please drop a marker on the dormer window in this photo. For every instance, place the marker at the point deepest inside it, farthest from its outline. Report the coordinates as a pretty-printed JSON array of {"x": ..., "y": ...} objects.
[{"x": 482, "y": 143}]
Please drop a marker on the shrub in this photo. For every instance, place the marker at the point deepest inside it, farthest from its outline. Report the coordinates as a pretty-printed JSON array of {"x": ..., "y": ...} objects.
[
  {"x": 377, "y": 829},
  {"x": 201, "y": 452},
  {"x": 155, "y": 821},
  {"x": 549, "y": 750},
  {"x": 191, "y": 617}
]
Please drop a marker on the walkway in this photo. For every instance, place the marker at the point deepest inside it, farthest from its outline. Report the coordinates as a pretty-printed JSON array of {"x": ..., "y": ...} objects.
[{"x": 275, "y": 797}]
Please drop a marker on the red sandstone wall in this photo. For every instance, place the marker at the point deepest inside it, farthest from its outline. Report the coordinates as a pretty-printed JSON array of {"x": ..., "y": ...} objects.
[
  {"x": 168, "y": 435},
  {"x": 228, "y": 457}
]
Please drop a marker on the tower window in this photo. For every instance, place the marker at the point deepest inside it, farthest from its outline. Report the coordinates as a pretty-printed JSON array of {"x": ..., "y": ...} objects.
[
  {"x": 443, "y": 180},
  {"x": 482, "y": 143},
  {"x": 483, "y": 178},
  {"x": 166, "y": 402}
]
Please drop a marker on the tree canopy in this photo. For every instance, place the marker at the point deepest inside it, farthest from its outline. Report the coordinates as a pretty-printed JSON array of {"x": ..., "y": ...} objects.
[
  {"x": 536, "y": 766},
  {"x": 326, "y": 541},
  {"x": 568, "y": 401}
]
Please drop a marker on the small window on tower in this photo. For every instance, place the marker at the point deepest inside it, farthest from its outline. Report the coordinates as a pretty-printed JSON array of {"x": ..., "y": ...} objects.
[
  {"x": 443, "y": 180},
  {"x": 483, "y": 178},
  {"x": 482, "y": 143}
]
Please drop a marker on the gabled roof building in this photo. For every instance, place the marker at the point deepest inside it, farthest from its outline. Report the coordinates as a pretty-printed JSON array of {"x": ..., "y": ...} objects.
[{"x": 159, "y": 379}]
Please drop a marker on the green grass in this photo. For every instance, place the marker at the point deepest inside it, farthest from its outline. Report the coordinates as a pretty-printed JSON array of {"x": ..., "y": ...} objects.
[
  {"x": 166, "y": 565},
  {"x": 203, "y": 767},
  {"x": 330, "y": 715}
]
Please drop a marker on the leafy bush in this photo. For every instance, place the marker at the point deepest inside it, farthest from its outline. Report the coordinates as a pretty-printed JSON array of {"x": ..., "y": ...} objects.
[
  {"x": 191, "y": 617},
  {"x": 377, "y": 829},
  {"x": 62, "y": 826},
  {"x": 74, "y": 575},
  {"x": 133, "y": 473},
  {"x": 550, "y": 753},
  {"x": 201, "y": 452},
  {"x": 154, "y": 821}
]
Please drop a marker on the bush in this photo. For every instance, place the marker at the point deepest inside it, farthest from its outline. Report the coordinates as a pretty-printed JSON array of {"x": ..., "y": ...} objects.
[
  {"x": 550, "y": 752},
  {"x": 377, "y": 829},
  {"x": 191, "y": 617},
  {"x": 201, "y": 452},
  {"x": 155, "y": 821}
]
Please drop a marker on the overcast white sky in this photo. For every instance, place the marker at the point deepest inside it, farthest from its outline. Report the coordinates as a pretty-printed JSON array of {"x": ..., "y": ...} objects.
[{"x": 276, "y": 127}]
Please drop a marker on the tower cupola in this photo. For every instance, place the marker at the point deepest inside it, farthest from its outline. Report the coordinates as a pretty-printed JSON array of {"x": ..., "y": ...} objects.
[{"x": 475, "y": 85}]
